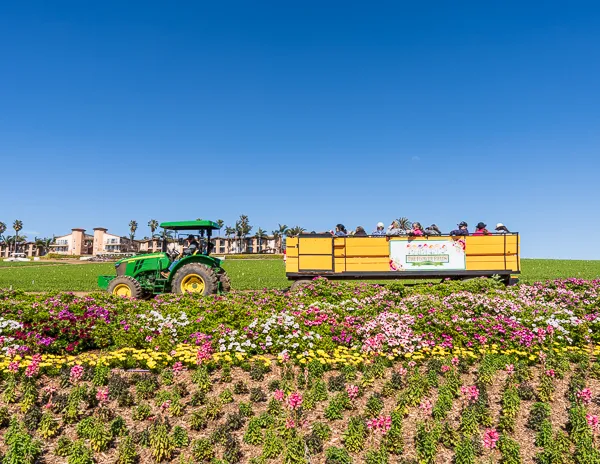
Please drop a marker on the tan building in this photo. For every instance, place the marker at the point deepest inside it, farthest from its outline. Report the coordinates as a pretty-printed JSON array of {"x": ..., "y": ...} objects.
[
  {"x": 149, "y": 245},
  {"x": 28, "y": 248},
  {"x": 76, "y": 243},
  {"x": 230, "y": 245},
  {"x": 110, "y": 243}
]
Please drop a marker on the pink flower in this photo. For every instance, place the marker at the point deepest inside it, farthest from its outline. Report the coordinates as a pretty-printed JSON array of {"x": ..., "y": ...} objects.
[
  {"x": 445, "y": 368},
  {"x": 279, "y": 395},
  {"x": 550, "y": 373},
  {"x": 510, "y": 368},
  {"x": 285, "y": 356},
  {"x": 165, "y": 405},
  {"x": 470, "y": 393},
  {"x": 380, "y": 424},
  {"x": 426, "y": 406},
  {"x": 412, "y": 364},
  {"x": 593, "y": 421},
  {"x": 289, "y": 423},
  {"x": 76, "y": 373},
  {"x": 455, "y": 361},
  {"x": 102, "y": 395},
  {"x": 352, "y": 391},
  {"x": 177, "y": 367},
  {"x": 402, "y": 371},
  {"x": 294, "y": 401},
  {"x": 490, "y": 437},
  {"x": 585, "y": 395},
  {"x": 13, "y": 366}
]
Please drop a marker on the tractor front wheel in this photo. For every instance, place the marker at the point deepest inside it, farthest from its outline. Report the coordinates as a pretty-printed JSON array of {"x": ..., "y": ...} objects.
[
  {"x": 195, "y": 278},
  {"x": 125, "y": 286},
  {"x": 225, "y": 281}
]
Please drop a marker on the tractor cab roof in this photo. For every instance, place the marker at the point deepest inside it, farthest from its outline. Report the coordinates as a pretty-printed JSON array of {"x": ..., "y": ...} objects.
[{"x": 190, "y": 225}]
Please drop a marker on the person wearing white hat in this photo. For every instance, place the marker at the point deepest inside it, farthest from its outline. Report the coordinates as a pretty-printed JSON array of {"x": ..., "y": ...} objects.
[
  {"x": 501, "y": 229},
  {"x": 379, "y": 232}
]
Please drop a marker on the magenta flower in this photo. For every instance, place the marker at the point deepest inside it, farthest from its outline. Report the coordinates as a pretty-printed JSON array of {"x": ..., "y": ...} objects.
[
  {"x": 178, "y": 367},
  {"x": 381, "y": 424},
  {"x": 294, "y": 401},
  {"x": 102, "y": 395},
  {"x": 279, "y": 395},
  {"x": 585, "y": 395},
  {"x": 352, "y": 391},
  {"x": 510, "y": 368},
  {"x": 593, "y": 421},
  {"x": 76, "y": 373},
  {"x": 426, "y": 406},
  {"x": 470, "y": 393},
  {"x": 490, "y": 437}
]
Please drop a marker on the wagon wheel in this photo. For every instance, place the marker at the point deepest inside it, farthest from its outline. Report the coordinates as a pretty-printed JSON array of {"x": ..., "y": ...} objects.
[{"x": 225, "y": 281}]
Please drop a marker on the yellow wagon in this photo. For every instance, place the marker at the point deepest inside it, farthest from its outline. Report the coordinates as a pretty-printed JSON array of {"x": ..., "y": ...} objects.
[{"x": 402, "y": 257}]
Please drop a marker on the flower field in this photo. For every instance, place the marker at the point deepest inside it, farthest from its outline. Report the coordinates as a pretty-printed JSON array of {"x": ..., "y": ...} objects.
[{"x": 336, "y": 373}]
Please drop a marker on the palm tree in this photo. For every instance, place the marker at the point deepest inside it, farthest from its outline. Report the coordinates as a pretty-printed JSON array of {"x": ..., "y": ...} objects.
[
  {"x": 43, "y": 244},
  {"x": 242, "y": 228},
  {"x": 2, "y": 230},
  {"x": 260, "y": 235},
  {"x": 133, "y": 225},
  {"x": 18, "y": 226},
  {"x": 153, "y": 224},
  {"x": 283, "y": 230},
  {"x": 404, "y": 223},
  {"x": 220, "y": 223},
  {"x": 229, "y": 231},
  {"x": 295, "y": 231}
]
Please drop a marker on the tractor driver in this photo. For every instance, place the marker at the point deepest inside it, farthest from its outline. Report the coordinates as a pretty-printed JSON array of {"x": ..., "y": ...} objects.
[{"x": 192, "y": 247}]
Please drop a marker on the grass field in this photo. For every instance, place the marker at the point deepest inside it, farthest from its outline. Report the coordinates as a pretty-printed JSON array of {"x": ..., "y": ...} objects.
[{"x": 245, "y": 274}]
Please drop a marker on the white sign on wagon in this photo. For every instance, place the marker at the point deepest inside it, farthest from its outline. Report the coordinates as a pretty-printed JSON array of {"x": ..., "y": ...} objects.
[{"x": 427, "y": 255}]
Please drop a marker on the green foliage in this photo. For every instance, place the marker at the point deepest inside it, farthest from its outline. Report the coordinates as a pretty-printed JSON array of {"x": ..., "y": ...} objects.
[
  {"x": 274, "y": 407},
  {"x": 101, "y": 373},
  {"x": 426, "y": 442},
  {"x": 48, "y": 427},
  {"x": 241, "y": 388},
  {"x": 254, "y": 433},
  {"x": 336, "y": 383},
  {"x": 272, "y": 445},
  {"x": 226, "y": 396},
  {"x": 374, "y": 406},
  {"x": 355, "y": 435},
  {"x": 340, "y": 402},
  {"x": 21, "y": 448},
  {"x": 63, "y": 447},
  {"x": 32, "y": 418},
  {"x": 469, "y": 425},
  {"x": 313, "y": 443},
  {"x": 161, "y": 443},
  {"x": 393, "y": 440},
  {"x": 323, "y": 431},
  {"x": 141, "y": 412},
  {"x": 146, "y": 388},
  {"x": 127, "y": 453},
  {"x": 245, "y": 409},
  {"x": 379, "y": 456},
  {"x": 202, "y": 379},
  {"x": 235, "y": 422},
  {"x": 544, "y": 436},
  {"x": 537, "y": 415},
  {"x": 335, "y": 455},
  {"x": 510, "y": 450},
  {"x": 233, "y": 452},
  {"x": 526, "y": 391},
  {"x": 295, "y": 451},
  {"x": 80, "y": 454},
  {"x": 257, "y": 395},
  {"x": 118, "y": 427},
  {"x": 465, "y": 452},
  {"x": 180, "y": 437},
  {"x": 203, "y": 450},
  {"x": 511, "y": 402},
  {"x": 198, "y": 420},
  {"x": 226, "y": 374},
  {"x": 546, "y": 388}
]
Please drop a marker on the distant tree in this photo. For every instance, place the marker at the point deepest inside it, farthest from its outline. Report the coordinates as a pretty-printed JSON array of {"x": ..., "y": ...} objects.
[
  {"x": 220, "y": 223},
  {"x": 278, "y": 235},
  {"x": 295, "y": 231},
  {"x": 198, "y": 219},
  {"x": 153, "y": 224},
  {"x": 43, "y": 244},
  {"x": 242, "y": 229},
  {"x": 404, "y": 223},
  {"x": 2, "y": 230},
  {"x": 17, "y": 226},
  {"x": 229, "y": 231},
  {"x": 133, "y": 225},
  {"x": 261, "y": 235}
]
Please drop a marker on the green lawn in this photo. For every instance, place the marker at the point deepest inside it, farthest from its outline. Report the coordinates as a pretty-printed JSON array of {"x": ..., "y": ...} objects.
[{"x": 245, "y": 274}]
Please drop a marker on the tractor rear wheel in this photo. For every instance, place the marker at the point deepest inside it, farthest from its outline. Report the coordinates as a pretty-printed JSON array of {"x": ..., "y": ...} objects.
[
  {"x": 195, "y": 278},
  {"x": 125, "y": 286},
  {"x": 299, "y": 284},
  {"x": 225, "y": 281}
]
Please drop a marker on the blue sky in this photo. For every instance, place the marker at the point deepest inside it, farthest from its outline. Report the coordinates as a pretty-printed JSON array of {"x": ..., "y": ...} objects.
[{"x": 306, "y": 113}]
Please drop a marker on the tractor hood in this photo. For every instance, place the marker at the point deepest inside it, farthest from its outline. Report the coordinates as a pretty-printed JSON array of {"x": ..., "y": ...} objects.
[{"x": 138, "y": 257}]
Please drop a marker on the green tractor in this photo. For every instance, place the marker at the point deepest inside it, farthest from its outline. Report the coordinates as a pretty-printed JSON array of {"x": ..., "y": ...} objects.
[{"x": 190, "y": 271}]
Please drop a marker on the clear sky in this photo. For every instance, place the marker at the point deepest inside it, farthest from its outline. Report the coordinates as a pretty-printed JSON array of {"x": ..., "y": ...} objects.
[{"x": 303, "y": 113}]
